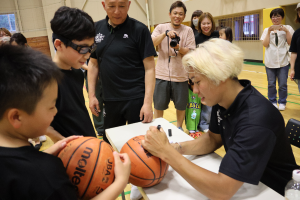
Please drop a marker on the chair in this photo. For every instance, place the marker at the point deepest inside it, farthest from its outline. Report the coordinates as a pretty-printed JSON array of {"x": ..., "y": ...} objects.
[{"x": 292, "y": 129}]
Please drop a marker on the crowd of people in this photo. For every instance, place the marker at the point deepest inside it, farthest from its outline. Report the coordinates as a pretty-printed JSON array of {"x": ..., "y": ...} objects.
[{"x": 197, "y": 68}]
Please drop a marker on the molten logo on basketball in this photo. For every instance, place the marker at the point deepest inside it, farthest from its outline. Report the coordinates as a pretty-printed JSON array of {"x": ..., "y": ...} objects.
[
  {"x": 80, "y": 171},
  {"x": 109, "y": 165}
]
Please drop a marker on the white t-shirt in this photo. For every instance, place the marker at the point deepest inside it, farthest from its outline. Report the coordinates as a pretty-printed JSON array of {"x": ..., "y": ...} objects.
[{"x": 277, "y": 56}]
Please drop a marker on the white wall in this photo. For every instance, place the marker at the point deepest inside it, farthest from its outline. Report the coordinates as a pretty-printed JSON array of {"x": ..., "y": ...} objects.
[
  {"x": 215, "y": 7},
  {"x": 36, "y": 14}
]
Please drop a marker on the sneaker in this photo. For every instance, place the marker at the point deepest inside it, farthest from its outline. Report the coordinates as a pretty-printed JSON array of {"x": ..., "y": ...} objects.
[
  {"x": 42, "y": 138},
  {"x": 135, "y": 193},
  {"x": 275, "y": 104},
  {"x": 180, "y": 128},
  {"x": 281, "y": 107}
]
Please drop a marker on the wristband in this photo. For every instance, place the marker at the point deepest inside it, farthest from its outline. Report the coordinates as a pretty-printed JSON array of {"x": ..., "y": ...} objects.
[
  {"x": 167, "y": 32},
  {"x": 178, "y": 144}
]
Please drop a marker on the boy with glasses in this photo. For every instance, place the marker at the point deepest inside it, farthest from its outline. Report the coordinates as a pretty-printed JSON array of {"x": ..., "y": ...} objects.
[{"x": 73, "y": 39}]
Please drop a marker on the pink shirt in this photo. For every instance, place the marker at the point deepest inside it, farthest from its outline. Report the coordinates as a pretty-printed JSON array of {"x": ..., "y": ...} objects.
[{"x": 177, "y": 72}]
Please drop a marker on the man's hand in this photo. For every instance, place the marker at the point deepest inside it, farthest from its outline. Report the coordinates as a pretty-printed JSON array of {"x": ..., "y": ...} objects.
[
  {"x": 122, "y": 167},
  {"x": 147, "y": 112},
  {"x": 292, "y": 74},
  {"x": 156, "y": 141},
  {"x": 94, "y": 106},
  {"x": 58, "y": 146},
  {"x": 172, "y": 33}
]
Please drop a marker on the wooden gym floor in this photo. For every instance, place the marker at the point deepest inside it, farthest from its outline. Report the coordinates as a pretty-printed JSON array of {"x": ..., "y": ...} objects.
[{"x": 257, "y": 75}]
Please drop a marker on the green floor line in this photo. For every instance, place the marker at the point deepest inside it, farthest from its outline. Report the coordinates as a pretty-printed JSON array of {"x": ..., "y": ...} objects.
[
  {"x": 254, "y": 63},
  {"x": 173, "y": 121},
  {"x": 288, "y": 93},
  {"x": 286, "y": 101},
  {"x": 128, "y": 192}
]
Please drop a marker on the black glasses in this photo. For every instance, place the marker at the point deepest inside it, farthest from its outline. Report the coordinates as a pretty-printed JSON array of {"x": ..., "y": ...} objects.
[{"x": 79, "y": 48}]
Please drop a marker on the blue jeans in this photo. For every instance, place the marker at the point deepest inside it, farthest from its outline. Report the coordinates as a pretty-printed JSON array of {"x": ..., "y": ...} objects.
[{"x": 282, "y": 75}]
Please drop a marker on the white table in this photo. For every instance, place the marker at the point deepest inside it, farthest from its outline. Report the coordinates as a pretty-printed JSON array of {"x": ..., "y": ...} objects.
[{"x": 173, "y": 186}]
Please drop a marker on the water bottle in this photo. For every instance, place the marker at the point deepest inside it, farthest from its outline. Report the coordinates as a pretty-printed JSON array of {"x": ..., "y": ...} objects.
[{"x": 292, "y": 189}]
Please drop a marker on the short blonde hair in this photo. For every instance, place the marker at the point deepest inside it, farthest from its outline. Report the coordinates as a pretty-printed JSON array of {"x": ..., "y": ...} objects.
[{"x": 217, "y": 59}]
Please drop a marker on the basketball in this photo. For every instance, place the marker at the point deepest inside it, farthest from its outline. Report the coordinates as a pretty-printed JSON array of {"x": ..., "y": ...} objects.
[
  {"x": 146, "y": 170},
  {"x": 89, "y": 163}
]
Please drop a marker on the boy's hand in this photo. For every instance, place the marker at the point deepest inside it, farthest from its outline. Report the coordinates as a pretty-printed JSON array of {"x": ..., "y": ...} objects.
[
  {"x": 122, "y": 167},
  {"x": 94, "y": 106},
  {"x": 58, "y": 146}
]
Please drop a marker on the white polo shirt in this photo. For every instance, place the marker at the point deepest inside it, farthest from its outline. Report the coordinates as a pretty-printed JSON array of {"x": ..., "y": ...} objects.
[{"x": 277, "y": 56}]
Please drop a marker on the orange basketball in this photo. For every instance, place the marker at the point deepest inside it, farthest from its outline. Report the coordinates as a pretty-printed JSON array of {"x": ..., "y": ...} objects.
[
  {"x": 146, "y": 170},
  {"x": 89, "y": 163}
]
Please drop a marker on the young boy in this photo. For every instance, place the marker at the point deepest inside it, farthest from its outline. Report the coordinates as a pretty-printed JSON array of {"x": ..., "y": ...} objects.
[
  {"x": 28, "y": 93},
  {"x": 73, "y": 39}
]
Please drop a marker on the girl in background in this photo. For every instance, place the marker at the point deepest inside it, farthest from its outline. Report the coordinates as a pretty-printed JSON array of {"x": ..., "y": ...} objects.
[
  {"x": 194, "y": 21},
  {"x": 226, "y": 33}
]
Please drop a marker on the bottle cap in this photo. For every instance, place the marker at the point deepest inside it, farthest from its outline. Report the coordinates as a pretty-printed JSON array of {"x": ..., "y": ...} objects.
[{"x": 296, "y": 175}]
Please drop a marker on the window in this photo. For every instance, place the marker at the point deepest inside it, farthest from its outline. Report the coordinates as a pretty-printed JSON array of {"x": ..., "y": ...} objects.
[
  {"x": 245, "y": 27},
  {"x": 8, "y": 21}
]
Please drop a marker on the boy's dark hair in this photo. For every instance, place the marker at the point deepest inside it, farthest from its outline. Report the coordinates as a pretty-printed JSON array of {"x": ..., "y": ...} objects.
[
  {"x": 277, "y": 11},
  {"x": 73, "y": 24},
  {"x": 24, "y": 75},
  {"x": 18, "y": 38},
  {"x": 196, "y": 13},
  {"x": 177, "y": 4},
  {"x": 228, "y": 33}
]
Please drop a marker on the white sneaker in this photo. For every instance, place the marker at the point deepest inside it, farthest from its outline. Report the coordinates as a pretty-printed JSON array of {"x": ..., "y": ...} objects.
[
  {"x": 275, "y": 104},
  {"x": 281, "y": 107},
  {"x": 42, "y": 138},
  {"x": 135, "y": 193}
]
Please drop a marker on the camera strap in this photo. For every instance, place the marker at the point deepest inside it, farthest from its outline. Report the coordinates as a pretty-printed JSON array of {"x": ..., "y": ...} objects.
[{"x": 169, "y": 50}]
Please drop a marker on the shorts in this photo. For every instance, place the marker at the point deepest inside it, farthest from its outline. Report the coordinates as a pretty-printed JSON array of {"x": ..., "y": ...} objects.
[
  {"x": 165, "y": 91},
  {"x": 117, "y": 113}
]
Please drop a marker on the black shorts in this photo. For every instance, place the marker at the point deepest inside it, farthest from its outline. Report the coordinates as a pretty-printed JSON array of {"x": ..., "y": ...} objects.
[
  {"x": 165, "y": 91},
  {"x": 117, "y": 113}
]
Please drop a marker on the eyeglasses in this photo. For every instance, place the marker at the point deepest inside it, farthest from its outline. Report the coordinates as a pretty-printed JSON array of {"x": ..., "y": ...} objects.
[
  {"x": 79, "y": 48},
  {"x": 275, "y": 17}
]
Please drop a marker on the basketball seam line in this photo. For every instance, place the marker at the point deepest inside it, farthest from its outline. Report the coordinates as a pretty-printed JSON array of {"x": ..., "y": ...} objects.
[
  {"x": 75, "y": 151},
  {"x": 93, "y": 170},
  {"x": 144, "y": 163}
]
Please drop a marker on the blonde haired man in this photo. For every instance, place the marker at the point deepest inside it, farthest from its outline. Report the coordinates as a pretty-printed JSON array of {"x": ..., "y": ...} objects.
[{"x": 251, "y": 129}]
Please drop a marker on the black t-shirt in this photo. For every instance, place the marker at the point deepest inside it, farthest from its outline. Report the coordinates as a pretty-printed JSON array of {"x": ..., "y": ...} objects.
[
  {"x": 122, "y": 69},
  {"x": 27, "y": 174},
  {"x": 200, "y": 37},
  {"x": 253, "y": 134},
  {"x": 72, "y": 117},
  {"x": 295, "y": 47},
  {"x": 195, "y": 32}
]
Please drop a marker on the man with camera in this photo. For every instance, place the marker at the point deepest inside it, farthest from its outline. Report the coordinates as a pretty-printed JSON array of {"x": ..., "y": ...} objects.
[{"x": 174, "y": 40}]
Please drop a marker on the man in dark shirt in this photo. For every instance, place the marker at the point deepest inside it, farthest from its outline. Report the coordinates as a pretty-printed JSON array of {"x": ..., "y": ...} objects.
[
  {"x": 125, "y": 61},
  {"x": 251, "y": 129}
]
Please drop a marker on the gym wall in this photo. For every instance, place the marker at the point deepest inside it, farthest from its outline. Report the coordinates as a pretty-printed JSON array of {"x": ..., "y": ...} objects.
[{"x": 33, "y": 16}]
